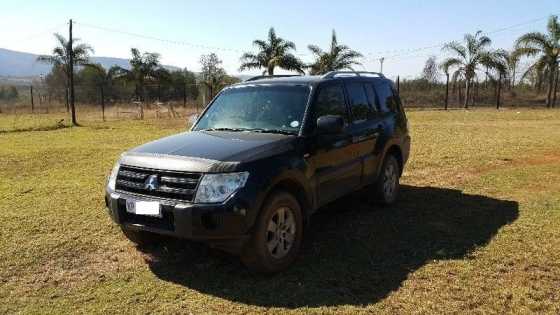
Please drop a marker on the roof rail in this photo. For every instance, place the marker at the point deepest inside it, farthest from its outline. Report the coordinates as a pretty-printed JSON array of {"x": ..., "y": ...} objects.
[
  {"x": 333, "y": 74},
  {"x": 259, "y": 77}
]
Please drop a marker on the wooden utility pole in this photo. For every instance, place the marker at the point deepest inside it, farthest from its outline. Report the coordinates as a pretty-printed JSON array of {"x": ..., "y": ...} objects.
[
  {"x": 446, "y": 90},
  {"x": 381, "y": 60},
  {"x": 31, "y": 94},
  {"x": 398, "y": 84},
  {"x": 71, "y": 74}
]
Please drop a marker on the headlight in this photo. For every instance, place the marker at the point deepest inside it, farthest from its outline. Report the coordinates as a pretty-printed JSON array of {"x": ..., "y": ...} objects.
[
  {"x": 215, "y": 188},
  {"x": 113, "y": 177}
]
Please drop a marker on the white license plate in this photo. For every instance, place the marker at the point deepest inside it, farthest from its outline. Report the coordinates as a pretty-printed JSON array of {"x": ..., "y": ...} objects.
[{"x": 139, "y": 207}]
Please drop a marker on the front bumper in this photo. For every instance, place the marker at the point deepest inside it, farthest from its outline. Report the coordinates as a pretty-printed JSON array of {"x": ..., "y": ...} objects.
[{"x": 227, "y": 221}]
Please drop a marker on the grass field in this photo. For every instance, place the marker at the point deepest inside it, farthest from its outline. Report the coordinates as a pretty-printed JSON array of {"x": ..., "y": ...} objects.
[{"x": 477, "y": 229}]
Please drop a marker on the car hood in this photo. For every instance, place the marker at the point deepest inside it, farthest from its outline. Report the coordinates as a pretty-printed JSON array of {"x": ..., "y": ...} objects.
[{"x": 207, "y": 151}]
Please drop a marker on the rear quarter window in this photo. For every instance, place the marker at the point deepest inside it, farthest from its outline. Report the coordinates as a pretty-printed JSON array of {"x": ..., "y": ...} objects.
[
  {"x": 359, "y": 104},
  {"x": 387, "y": 100}
]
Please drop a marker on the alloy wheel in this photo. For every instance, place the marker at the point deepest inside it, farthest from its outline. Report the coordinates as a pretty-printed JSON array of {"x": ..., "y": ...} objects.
[{"x": 281, "y": 232}]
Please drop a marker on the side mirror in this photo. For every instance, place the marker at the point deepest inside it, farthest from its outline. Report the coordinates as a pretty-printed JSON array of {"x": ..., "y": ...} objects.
[
  {"x": 192, "y": 119},
  {"x": 330, "y": 124}
]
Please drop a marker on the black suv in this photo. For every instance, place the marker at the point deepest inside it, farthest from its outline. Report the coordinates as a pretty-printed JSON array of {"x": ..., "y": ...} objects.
[{"x": 260, "y": 160}]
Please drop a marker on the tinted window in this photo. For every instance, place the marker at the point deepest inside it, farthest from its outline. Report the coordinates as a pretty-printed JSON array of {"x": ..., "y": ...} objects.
[
  {"x": 330, "y": 101},
  {"x": 387, "y": 100},
  {"x": 372, "y": 98},
  {"x": 358, "y": 101}
]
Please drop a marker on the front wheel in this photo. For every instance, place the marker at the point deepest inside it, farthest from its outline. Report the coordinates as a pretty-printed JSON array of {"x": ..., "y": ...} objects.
[
  {"x": 387, "y": 185},
  {"x": 278, "y": 234}
]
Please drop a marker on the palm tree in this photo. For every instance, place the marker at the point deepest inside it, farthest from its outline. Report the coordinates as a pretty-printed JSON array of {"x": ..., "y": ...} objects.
[
  {"x": 469, "y": 57},
  {"x": 143, "y": 68},
  {"x": 61, "y": 58},
  {"x": 274, "y": 52},
  {"x": 508, "y": 60},
  {"x": 339, "y": 57},
  {"x": 537, "y": 73},
  {"x": 546, "y": 47}
]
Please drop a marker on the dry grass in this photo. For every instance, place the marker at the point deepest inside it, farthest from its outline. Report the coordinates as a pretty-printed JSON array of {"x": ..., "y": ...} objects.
[{"x": 477, "y": 229}]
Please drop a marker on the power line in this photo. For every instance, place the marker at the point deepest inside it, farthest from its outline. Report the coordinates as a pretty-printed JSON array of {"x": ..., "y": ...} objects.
[
  {"x": 149, "y": 37},
  {"x": 393, "y": 54},
  {"x": 441, "y": 45}
]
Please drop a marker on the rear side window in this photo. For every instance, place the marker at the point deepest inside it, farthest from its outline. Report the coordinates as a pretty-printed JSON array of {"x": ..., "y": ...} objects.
[
  {"x": 372, "y": 98},
  {"x": 358, "y": 102},
  {"x": 387, "y": 101},
  {"x": 330, "y": 101}
]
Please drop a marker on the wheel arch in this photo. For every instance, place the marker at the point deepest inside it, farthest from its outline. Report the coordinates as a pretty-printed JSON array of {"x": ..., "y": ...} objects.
[
  {"x": 295, "y": 188},
  {"x": 396, "y": 151}
]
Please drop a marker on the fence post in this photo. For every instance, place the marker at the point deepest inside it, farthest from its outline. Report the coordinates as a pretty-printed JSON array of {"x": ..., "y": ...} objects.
[
  {"x": 446, "y": 90},
  {"x": 102, "y": 103},
  {"x": 498, "y": 91},
  {"x": 31, "y": 94},
  {"x": 555, "y": 88},
  {"x": 185, "y": 96}
]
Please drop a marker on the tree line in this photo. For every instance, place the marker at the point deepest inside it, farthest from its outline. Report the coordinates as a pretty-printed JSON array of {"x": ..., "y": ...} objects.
[
  {"x": 474, "y": 60},
  {"x": 146, "y": 79}
]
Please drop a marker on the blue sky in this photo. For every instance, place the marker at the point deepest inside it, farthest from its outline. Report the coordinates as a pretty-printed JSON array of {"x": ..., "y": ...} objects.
[{"x": 375, "y": 28}]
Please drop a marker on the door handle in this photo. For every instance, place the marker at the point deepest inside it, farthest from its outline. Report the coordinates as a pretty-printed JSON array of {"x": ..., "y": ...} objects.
[{"x": 374, "y": 132}]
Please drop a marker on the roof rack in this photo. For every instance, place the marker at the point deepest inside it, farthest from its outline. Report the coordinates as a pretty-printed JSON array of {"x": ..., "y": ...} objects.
[
  {"x": 259, "y": 77},
  {"x": 333, "y": 74}
]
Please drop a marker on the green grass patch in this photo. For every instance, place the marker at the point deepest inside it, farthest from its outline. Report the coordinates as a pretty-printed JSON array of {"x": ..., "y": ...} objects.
[{"x": 477, "y": 228}]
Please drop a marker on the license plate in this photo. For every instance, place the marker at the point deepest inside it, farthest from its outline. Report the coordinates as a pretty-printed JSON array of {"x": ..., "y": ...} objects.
[{"x": 139, "y": 207}]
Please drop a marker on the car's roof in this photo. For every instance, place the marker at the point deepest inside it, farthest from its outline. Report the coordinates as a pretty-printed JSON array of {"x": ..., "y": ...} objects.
[
  {"x": 307, "y": 79},
  {"x": 304, "y": 79}
]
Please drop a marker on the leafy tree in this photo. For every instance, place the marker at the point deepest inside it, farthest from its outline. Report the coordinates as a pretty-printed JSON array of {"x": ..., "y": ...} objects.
[
  {"x": 101, "y": 80},
  {"x": 468, "y": 57},
  {"x": 162, "y": 77},
  {"x": 546, "y": 48},
  {"x": 61, "y": 58},
  {"x": 9, "y": 93},
  {"x": 183, "y": 84},
  {"x": 339, "y": 57},
  {"x": 430, "y": 72},
  {"x": 273, "y": 52},
  {"x": 56, "y": 83},
  {"x": 213, "y": 76}
]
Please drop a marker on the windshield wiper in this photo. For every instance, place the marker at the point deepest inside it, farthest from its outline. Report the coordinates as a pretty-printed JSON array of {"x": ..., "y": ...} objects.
[
  {"x": 261, "y": 130},
  {"x": 278, "y": 131},
  {"x": 223, "y": 129}
]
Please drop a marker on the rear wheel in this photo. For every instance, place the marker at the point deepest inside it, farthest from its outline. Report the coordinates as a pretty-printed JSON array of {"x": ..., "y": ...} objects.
[
  {"x": 278, "y": 234},
  {"x": 387, "y": 186}
]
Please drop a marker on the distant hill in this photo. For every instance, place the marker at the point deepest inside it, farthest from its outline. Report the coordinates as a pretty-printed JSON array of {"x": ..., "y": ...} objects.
[
  {"x": 22, "y": 64},
  {"x": 19, "y": 68}
]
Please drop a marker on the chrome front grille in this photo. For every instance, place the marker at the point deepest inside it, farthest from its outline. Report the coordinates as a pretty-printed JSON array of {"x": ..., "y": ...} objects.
[{"x": 169, "y": 184}]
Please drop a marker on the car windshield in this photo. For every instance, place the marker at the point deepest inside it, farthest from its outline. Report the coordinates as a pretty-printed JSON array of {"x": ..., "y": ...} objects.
[{"x": 259, "y": 108}]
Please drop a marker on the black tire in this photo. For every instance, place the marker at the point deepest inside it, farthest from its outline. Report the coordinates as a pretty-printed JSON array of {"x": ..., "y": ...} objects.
[
  {"x": 140, "y": 238},
  {"x": 256, "y": 255},
  {"x": 389, "y": 176}
]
